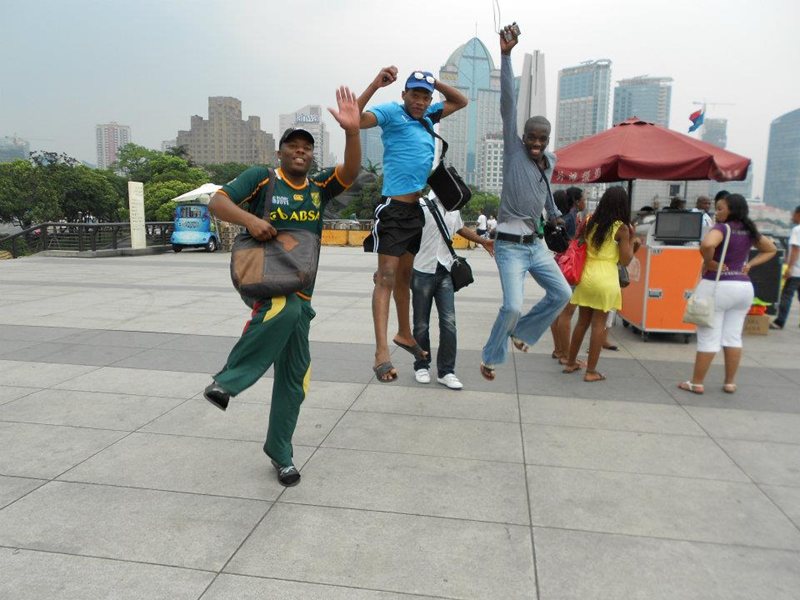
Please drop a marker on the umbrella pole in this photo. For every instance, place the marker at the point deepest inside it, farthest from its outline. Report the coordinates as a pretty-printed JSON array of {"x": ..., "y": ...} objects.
[{"x": 630, "y": 199}]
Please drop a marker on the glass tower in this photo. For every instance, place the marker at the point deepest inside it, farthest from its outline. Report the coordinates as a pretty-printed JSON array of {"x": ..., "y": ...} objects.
[{"x": 782, "y": 180}]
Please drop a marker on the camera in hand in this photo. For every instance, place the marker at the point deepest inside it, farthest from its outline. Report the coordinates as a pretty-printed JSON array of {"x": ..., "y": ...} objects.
[{"x": 511, "y": 32}]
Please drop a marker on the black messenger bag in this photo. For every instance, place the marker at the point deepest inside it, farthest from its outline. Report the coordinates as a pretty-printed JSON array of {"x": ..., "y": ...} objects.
[{"x": 445, "y": 181}]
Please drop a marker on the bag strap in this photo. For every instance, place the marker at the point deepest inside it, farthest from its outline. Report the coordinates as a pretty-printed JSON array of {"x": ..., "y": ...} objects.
[
  {"x": 427, "y": 126},
  {"x": 546, "y": 182},
  {"x": 268, "y": 194},
  {"x": 722, "y": 256},
  {"x": 437, "y": 216}
]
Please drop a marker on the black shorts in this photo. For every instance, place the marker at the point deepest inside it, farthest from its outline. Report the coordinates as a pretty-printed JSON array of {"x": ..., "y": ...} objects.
[{"x": 397, "y": 230}]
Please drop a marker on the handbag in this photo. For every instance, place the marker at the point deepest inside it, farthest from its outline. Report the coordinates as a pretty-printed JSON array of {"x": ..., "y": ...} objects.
[
  {"x": 460, "y": 271},
  {"x": 285, "y": 264},
  {"x": 572, "y": 260},
  {"x": 445, "y": 181},
  {"x": 700, "y": 311},
  {"x": 624, "y": 276},
  {"x": 556, "y": 238}
]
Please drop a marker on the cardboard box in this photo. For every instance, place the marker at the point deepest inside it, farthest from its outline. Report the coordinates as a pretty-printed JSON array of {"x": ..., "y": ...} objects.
[{"x": 756, "y": 324}]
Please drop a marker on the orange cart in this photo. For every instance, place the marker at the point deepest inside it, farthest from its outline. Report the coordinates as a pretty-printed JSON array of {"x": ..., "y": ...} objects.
[{"x": 662, "y": 277}]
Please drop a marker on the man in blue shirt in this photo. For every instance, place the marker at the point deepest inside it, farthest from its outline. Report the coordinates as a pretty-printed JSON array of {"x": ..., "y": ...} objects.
[
  {"x": 527, "y": 169},
  {"x": 408, "y": 152}
]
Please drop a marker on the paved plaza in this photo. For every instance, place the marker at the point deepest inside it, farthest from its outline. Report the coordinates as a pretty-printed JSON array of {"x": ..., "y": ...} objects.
[{"x": 117, "y": 480}]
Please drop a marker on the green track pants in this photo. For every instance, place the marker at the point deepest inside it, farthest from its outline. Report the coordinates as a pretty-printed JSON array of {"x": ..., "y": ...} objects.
[{"x": 277, "y": 334}]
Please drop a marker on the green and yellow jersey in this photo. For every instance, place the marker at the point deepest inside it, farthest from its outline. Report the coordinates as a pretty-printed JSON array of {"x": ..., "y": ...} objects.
[{"x": 292, "y": 207}]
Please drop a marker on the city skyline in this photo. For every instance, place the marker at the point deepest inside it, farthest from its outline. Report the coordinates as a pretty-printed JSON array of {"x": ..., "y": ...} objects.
[{"x": 166, "y": 67}]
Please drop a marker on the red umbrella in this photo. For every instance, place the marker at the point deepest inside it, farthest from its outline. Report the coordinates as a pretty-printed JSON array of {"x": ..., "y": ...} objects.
[{"x": 635, "y": 149}]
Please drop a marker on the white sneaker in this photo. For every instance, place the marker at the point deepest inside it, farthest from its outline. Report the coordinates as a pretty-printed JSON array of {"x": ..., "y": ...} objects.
[
  {"x": 422, "y": 376},
  {"x": 451, "y": 381}
]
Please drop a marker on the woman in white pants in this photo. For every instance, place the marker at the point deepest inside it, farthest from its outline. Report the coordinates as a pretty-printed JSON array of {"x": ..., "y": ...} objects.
[{"x": 734, "y": 292}]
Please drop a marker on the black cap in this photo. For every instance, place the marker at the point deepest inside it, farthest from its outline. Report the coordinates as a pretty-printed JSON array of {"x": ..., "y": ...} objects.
[{"x": 293, "y": 132}]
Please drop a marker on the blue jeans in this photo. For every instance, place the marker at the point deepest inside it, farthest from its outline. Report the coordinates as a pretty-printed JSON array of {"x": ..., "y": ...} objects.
[
  {"x": 790, "y": 287},
  {"x": 513, "y": 262},
  {"x": 425, "y": 289}
]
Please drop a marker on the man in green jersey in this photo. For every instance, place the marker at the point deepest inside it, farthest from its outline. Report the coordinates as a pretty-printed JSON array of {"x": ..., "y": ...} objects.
[{"x": 277, "y": 332}]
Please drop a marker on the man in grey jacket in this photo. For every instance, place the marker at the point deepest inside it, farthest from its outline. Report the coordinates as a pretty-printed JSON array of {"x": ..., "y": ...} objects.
[{"x": 527, "y": 168}]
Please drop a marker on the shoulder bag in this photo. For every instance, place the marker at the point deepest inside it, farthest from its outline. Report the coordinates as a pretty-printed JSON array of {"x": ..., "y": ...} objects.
[
  {"x": 285, "y": 264},
  {"x": 700, "y": 311},
  {"x": 445, "y": 181},
  {"x": 460, "y": 271}
]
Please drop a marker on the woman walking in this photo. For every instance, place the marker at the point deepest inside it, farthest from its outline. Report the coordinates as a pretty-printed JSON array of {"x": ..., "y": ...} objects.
[
  {"x": 733, "y": 294},
  {"x": 609, "y": 240}
]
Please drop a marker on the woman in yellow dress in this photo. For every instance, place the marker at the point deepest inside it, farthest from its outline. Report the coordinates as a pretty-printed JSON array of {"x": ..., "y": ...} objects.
[{"x": 609, "y": 241}]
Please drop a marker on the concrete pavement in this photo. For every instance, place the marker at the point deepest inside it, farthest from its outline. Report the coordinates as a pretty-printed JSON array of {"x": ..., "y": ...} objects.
[{"x": 117, "y": 480}]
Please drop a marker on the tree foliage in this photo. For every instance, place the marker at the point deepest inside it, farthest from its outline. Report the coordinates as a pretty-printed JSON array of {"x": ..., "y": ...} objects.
[
  {"x": 225, "y": 172},
  {"x": 480, "y": 200},
  {"x": 27, "y": 194}
]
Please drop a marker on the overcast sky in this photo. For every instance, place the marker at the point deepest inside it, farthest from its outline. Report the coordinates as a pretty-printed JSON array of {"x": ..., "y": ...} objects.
[{"x": 66, "y": 65}]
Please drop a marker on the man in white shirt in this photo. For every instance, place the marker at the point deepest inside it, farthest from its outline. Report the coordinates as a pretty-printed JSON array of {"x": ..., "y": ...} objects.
[
  {"x": 791, "y": 275},
  {"x": 480, "y": 226},
  {"x": 703, "y": 205},
  {"x": 430, "y": 281}
]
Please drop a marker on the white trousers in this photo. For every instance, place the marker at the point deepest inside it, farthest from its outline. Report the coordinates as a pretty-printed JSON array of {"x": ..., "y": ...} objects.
[{"x": 731, "y": 303}]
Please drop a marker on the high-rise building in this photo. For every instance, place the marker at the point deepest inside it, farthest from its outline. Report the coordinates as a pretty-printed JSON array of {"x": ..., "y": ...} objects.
[
  {"x": 645, "y": 97},
  {"x": 490, "y": 164},
  {"x": 225, "y": 137},
  {"x": 470, "y": 69},
  {"x": 310, "y": 118},
  {"x": 110, "y": 138},
  {"x": 531, "y": 100},
  {"x": 583, "y": 99},
  {"x": 371, "y": 147},
  {"x": 782, "y": 179},
  {"x": 13, "y": 148},
  {"x": 715, "y": 131}
]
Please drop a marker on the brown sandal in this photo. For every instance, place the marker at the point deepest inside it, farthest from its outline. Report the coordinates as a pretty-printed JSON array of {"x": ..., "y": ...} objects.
[
  {"x": 487, "y": 372},
  {"x": 519, "y": 344},
  {"x": 571, "y": 368},
  {"x": 592, "y": 376}
]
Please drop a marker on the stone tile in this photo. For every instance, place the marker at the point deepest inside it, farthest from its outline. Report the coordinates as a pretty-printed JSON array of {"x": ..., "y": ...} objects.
[
  {"x": 124, "y": 339},
  {"x": 321, "y": 394},
  {"x": 434, "y": 486},
  {"x": 13, "y": 488},
  {"x": 19, "y": 350},
  {"x": 160, "y": 384},
  {"x": 87, "y": 409},
  {"x": 207, "y": 466},
  {"x": 173, "y": 529},
  {"x": 435, "y": 400},
  {"x": 238, "y": 587},
  {"x": 39, "y": 334},
  {"x": 671, "y": 373},
  {"x": 31, "y": 575},
  {"x": 774, "y": 398},
  {"x": 82, "y": 354},
  {"x": 242, "y": 421},
  {"x": 657, "y": 506},
  {"x": 47, "y": 450},
  {"x": 215, "y": 343},
  {"x": 33, "y": 374},
  {"x": 572, "y": 385},
  {"x": 750, "y": 425},
  {"x": 10, "y": 393},
  {"x": 402, "y": 553},
  {"x": 574, "y": 565},
  {"x": 186, "y": 361},
  {"x": 645, "y": 453},
  {"x": 787, "y": 499},
  {"x": 430, "y": 436},
  {"x": 607, "y": 414},
  {"x": 766, "y": 462}
]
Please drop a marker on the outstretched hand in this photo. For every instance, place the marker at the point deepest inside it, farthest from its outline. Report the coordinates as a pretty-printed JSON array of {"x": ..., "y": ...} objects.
[
  {"x": 348, "y": 115},
  {"x": 505, "y": 46}
]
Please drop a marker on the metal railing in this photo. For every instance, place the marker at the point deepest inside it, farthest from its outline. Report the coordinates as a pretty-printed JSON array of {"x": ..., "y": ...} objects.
[{"x": 82, "y": 237}]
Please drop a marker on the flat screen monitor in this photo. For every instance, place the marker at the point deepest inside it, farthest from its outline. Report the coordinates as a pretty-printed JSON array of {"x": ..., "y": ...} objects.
[{"x": 678, "y": 226}]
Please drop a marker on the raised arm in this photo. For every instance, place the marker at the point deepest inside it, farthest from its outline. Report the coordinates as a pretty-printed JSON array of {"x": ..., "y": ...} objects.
[
  {"x": 508, "y": 100},
  {"x": 386, "y": 76},
  {"x": 453, "y": 99},
  {"x": 348, "y": 116}
]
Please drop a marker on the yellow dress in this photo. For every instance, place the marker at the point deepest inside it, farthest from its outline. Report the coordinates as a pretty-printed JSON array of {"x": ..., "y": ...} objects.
[{"x": 599, "y": 285}]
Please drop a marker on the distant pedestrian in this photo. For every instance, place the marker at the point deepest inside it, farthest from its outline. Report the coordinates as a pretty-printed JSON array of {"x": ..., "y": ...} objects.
[
  {"x": 491, "y": 226},
  {"x": 791, "y": 274},
  {"x": 482, "y": 225},
  {"x": 733, "y": 295}
]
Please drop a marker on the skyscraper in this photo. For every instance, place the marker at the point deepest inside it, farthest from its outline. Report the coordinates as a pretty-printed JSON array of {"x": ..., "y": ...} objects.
[
  {"x": 782, "y": 180},
  {"x": 110, "y": 138},
  {"x": 470, "y": 69},
  {"x": 645, "y": 97},
  {"x": 371, "y": 147},
  {"x": 531, "y": 100},
  {"x": 310, "y": 118},
  {"x": 715, "y": 131},
  {"x": 225, "y": 137},
  {"x": 583, "y": 99}
]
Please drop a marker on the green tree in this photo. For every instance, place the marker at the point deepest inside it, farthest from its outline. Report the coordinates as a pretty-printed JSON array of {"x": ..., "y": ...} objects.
[
  {"x": 480, "y": 200},
  {"x": 27, "y": 194},
  {"x": 135, "y": 162},
  {"x": 363, "y": 204},
  {"x": 225, "y": 172},
  {"x": 85, "y": 190},
  {"x": 158, "y": 205}
]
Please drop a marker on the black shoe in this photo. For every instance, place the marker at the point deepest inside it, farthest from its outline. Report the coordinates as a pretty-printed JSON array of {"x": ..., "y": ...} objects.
[
  {"x": 217, "y": 395},
  {"x": 287, "y": 476},
  {"x": 775, "y": 325}
]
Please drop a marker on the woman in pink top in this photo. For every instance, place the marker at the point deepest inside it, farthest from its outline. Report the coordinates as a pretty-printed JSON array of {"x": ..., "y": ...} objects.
[{"x": 734, "y": 292}]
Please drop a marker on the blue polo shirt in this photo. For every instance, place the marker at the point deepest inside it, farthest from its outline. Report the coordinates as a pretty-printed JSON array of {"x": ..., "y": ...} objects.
[{"x": 408, "y": 148}]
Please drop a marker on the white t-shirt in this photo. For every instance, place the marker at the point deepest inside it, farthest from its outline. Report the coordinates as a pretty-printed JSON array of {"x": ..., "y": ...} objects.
[
  {"x": 482, "y": 222},
  {"x": 491, "y": 224},
  {"x": 794, "y": 240},
  {"x": 433, "y": 249}
]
